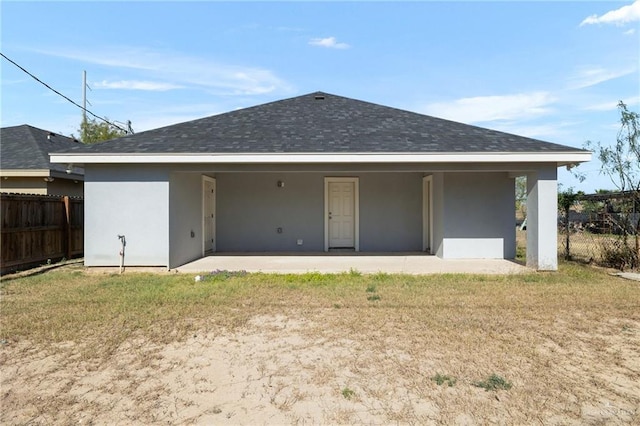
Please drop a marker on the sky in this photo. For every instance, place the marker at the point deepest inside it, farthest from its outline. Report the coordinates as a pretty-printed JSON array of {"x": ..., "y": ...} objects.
[{"x": 554, "y": 71}]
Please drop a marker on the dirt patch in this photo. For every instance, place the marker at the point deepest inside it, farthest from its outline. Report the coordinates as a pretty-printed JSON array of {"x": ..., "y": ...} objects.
[{"x": 330, "y": 366}]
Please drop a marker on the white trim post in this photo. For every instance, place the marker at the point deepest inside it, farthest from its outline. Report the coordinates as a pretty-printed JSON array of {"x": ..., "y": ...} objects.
[
  {"x": 204, "y": 211},
  {"x": 542, "y": 219},
  {"x": 427, "y": 214}
]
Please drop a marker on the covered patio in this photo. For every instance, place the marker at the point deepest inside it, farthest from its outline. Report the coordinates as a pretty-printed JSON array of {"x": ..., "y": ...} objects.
[{"x": 316, "y": 173}]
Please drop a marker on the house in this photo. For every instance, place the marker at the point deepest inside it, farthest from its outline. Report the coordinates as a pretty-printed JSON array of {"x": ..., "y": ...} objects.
[
  {"x": 25, "y": 167},
  {"x": 317, "y": 173}
]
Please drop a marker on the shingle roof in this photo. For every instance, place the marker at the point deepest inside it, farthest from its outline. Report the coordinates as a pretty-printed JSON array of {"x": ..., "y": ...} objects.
[
  {"x": 27, "y": 148},
  {"x": 321, "y": 123}
]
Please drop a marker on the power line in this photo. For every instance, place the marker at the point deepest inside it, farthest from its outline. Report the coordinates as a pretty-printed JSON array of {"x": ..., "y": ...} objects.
[{"x": 60, "y": 94}]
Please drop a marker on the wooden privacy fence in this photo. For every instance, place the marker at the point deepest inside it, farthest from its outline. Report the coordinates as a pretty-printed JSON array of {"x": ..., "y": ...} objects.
[{"x": 40, "y": 228}]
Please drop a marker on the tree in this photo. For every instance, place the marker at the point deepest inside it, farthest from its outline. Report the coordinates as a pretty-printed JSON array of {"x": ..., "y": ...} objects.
[
  {"x": 92, "y": 131},
  {"x": 621, "y": 163},
  {"x": 521, "y": 195}
]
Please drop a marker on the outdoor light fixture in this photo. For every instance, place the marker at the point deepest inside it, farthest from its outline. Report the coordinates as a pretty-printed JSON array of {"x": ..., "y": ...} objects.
[
  {"x": 49, "y": 179},
  {"x": 69, "y": 168},
  {"x": 280, "y": 184}
]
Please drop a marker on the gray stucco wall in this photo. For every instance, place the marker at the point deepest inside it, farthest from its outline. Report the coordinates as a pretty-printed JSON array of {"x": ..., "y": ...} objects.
[
  {"x": 478, "y": 211},
  {"x": 130, "y": 200},
  {"x": 251, "y": 208},
  {"x": 542, "y": 219},
  {"x": 391, "y": 212},
  {"x": 185, "y": 218}
]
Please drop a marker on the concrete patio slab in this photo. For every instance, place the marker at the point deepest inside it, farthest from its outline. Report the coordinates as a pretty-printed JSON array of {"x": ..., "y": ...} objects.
[{"x": 341, "y": 262}]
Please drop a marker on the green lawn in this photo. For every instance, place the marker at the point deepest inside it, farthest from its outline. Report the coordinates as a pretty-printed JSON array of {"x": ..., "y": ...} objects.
[{"x": 71, "y": 304}]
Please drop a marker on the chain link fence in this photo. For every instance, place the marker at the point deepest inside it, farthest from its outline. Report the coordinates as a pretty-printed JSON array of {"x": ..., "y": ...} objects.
[{"x": 600, "y": 230}]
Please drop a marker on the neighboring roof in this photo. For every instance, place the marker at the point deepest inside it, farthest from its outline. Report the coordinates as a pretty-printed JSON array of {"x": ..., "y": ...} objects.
[{"x": 27, "y": 148}]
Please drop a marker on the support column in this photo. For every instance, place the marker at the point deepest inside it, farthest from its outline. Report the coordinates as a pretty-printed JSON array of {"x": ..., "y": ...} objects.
[{"x": 542, "y": 219}]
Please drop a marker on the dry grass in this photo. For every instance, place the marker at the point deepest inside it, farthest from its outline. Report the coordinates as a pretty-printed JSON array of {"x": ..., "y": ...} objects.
[
  {"x": 601, "y": 249},
  {"x": 295, "y": 346}
]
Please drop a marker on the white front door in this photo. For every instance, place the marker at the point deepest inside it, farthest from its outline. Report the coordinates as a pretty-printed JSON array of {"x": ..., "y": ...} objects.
[
  {"x": 341, "y": 215},
  {"x": 208, "y": 215}
]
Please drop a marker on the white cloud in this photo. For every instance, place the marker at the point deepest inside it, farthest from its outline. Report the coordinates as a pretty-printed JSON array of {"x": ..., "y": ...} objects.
[
  {"x": 483, "y": 109},
  {"x": 182, "y": 70},
  {"x": 604, "y": 106},
  {"x": 6, "y": 82},
  {"x": 619, "y": 17},
  {"x": 587, "y": 77},
  {"x": 632, "y": 31},
  {"x": 121, "y": 57},
  {"x": 136, "y": 85},
  {"x": 329, "y": 42},
  {"x": 612, "y": 105}
]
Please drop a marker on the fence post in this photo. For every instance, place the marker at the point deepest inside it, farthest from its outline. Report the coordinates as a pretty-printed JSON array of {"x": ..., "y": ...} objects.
[{"x": 67, "y": 215}]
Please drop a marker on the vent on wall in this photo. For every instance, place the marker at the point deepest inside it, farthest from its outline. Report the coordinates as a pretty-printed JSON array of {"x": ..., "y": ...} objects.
[{"x": 319, "y": 97}]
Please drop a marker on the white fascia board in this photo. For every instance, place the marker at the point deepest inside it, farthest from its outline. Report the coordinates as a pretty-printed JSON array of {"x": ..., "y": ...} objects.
[{"x": 561, "y": 158}]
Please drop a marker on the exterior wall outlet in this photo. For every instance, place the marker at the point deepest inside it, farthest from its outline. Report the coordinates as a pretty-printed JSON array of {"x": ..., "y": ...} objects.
[{"x": 299, "y": 242}]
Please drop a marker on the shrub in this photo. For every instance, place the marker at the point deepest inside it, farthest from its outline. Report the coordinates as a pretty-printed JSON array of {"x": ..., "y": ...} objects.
[
  {"x": 620, "y": 256},
  {"x": 348, "y": 393},
  {"x": 442, "y": 379},
  {"x": 494, "y": 382}
]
